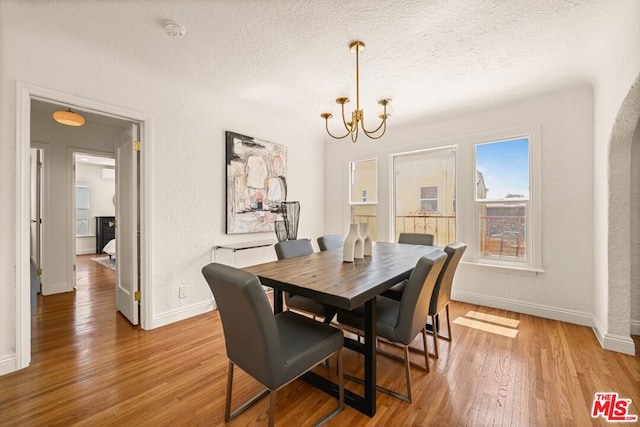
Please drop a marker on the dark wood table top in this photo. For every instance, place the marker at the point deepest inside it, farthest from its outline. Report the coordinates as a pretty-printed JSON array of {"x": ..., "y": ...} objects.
[{"x": 324, "y": 277}]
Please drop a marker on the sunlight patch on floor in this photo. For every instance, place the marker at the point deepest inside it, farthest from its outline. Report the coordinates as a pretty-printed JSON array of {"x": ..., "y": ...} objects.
[
  {"x": 511, "y": 323},
  {"x": 469, "y": 320}
]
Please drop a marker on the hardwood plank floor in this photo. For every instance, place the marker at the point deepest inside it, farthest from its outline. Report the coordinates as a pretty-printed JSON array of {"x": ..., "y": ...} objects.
[{"x": 91, "y": 367}]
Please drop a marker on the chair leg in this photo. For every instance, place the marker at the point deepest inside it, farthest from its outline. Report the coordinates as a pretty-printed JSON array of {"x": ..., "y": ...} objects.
[
  {"x": 228, "y": 415},
  {"x": 340, "y": 390},
  {"x": 227, "y": 405},
  {"x": 272, "y": 408},
  {"x": 426, "y": 349},
  {"x": 340, "y": 380},
  {"x": 435, "y": 338},
  {"x": 407, "y": 368},
  {"x": 448, "y": 325}
]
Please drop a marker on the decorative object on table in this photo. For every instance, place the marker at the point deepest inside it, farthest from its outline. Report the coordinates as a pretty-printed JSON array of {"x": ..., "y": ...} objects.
[
  {"x": 355, "y": 121},
  {"x": 366, "y": 239},
  {"x": 256, "y": 183},
  {"x": 353, "y": 246}
]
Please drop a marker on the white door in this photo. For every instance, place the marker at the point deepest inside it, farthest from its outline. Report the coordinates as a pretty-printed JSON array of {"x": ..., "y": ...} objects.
[{"x": 127, "y": 224}]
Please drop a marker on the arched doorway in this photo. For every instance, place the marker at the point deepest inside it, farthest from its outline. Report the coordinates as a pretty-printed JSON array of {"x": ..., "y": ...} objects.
[{"x": 623, "y": 222}]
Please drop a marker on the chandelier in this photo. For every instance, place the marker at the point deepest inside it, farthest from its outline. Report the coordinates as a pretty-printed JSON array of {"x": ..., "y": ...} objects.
[{"x": 357, "y": 116}]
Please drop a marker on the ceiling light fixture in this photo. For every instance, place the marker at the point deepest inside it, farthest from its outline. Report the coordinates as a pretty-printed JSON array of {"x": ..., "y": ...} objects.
[
  {"x": 357, "y": 115},
  {"x": 174, "y": 29},
  {"x": 68, "y": 117}
]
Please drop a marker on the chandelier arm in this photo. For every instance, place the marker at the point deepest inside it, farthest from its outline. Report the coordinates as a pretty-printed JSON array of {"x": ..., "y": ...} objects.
[
  {"x": 382, "y": 125},
  {"x": 368, "y": 132},
  {"x": 326, "y": 125},
  {"x": 344, "y": 121},
  {"x": 354, "y": 134}
]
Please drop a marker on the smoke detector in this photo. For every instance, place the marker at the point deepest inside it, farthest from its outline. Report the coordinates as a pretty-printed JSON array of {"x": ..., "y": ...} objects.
[{"x": 174, "y": 29}]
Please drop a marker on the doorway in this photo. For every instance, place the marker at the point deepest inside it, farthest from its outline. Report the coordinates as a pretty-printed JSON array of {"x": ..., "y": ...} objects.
[
  {"x": 28, "y": 96},
  {"x": 93, "y": 214}
]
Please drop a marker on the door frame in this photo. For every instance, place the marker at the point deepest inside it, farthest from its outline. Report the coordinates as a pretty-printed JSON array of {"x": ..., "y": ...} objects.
[
  {"x": 24, "y": 94},
  {"x": 71, "y": 197}
]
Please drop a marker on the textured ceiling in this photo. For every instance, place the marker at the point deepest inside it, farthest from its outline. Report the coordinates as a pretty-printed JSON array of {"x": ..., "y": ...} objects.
[{"x": 429, "y": 56}]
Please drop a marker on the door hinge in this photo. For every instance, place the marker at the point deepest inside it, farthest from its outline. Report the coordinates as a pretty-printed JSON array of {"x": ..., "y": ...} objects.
[
  {"x": 39, "y": 271},
  {"x": 136, "y": 295},
  {"x": 74, "y": 267},
  {"x": 136, "y": 145}
]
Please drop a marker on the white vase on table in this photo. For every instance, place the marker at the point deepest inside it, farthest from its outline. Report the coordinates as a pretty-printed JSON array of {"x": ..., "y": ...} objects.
[
  {"x": 366, "y": 239},
  {"x": 353, "y": 245}
]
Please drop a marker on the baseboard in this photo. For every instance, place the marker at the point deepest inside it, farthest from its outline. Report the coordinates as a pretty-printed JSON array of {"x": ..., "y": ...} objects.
[
  {"x": 7, "y": 364},
  {"x": 182, "y": 314},
  {"x": 547, "y": 312},
  {"x": 635, "y": 327},
  {"x": 85, "y": 251},
  {"x": 619, "y": 343}
]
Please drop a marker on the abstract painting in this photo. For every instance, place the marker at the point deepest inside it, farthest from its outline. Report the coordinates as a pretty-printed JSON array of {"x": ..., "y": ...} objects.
[{"x": 256, "y": 183}]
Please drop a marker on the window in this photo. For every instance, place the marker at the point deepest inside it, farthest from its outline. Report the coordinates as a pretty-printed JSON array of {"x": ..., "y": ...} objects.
[
  {"x": 503, "y": 202},
  {"x": 82, "y": 209},
  {"x": 429, "y": 199},
  {"x": 363, "y": 193},
  {"x": 431, "y": 174}
]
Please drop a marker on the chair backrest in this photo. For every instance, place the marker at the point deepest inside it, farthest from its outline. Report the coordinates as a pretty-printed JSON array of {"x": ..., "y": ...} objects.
[
  {"x": 414, "y": 305},
  {"x": 416, "y": 239},
  {"x": 293, "y": 248},
  {"x": 442, "y": 292},
  {"x": 332, "y": 241},
  {"x": 250, "y": 331}
]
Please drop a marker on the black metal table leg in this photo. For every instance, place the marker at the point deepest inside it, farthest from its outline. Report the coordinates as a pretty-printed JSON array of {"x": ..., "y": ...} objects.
[{"x": 370, "y": 357}]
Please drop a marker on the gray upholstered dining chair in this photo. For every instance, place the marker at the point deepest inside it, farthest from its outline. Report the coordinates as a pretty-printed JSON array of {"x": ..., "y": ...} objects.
[
  {"x": 399, "y": 322},
  {"x": 416, "y": 239},
  {"x": 273, "y": 349},
  {"x": 441, "y": 296},
  {"x": 395, "y": 292},
  {"x": 331, "y": 241},
  {"x": 292, "y": 249}
]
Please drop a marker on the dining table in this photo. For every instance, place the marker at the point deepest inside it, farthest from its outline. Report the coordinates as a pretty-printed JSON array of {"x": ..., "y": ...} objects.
[{"x": 326, "y": 278}]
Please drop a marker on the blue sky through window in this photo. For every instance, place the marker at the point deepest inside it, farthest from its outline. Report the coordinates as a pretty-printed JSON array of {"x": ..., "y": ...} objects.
[{"x": 505, "y": 167}]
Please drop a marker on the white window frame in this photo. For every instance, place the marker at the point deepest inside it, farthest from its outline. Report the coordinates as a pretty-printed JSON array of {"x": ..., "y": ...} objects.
[
  {"x": 350, "y": 176},
  {"x": 533, "y": 221},
  {"x": 392, "y": 182},
  {"x": 427, "y": 199}
]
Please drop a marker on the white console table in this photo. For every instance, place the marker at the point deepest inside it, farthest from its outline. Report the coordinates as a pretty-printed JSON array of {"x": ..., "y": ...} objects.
[{"x": 260, "y": 251}]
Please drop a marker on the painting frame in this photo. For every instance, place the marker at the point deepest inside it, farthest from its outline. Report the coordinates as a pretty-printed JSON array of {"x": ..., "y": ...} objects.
[{"x": 256, "y": 183}]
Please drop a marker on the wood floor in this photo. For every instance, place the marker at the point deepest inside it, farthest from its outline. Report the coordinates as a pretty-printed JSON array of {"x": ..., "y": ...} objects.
[{"x": 90, "y": 367}]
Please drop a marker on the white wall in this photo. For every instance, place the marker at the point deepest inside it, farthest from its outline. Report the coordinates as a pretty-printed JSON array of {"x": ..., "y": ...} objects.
[
  {"x": 635, "y": 232},
  {"x": 101, "y": 192},
  {"x": 187, "y": 161},
  {"x": 615, "y": 118},
  {"x": 565, "y": 120},
  {"x": 59, "y": 142}
]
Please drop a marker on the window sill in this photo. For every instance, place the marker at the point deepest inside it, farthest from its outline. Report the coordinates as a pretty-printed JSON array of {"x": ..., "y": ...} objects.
[{"x": 522, "y": 271}]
